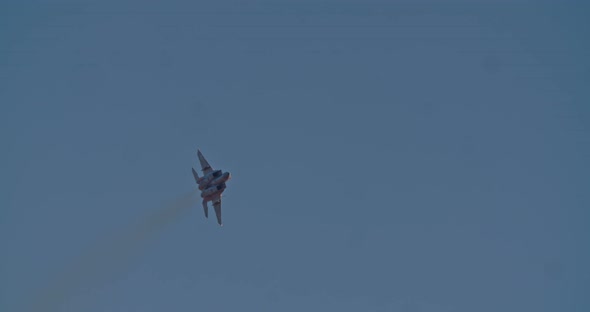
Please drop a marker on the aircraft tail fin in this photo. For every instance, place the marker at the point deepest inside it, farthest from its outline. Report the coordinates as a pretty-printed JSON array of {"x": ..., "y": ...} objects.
[
  {"x": 196, "y": 175},
  {"x": 206, "y": 209}
]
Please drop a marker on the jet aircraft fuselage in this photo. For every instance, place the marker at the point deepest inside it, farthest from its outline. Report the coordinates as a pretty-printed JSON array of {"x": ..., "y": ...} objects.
[
  {"x": 213, "y": 178},
  {"x": 211, "y": 184}
]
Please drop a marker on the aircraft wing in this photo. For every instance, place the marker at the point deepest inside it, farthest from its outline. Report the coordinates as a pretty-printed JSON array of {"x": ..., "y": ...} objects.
[
  {"x": 204, "y": 164},
  {"x": 217, "y": 207}
]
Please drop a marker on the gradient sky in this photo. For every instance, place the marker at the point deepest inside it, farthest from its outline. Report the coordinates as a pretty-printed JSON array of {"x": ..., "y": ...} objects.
[{"x": 386, "y": 155}]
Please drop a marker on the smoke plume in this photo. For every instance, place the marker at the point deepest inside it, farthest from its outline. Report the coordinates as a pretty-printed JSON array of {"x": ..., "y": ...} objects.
[{"x": 109, "y": 259}]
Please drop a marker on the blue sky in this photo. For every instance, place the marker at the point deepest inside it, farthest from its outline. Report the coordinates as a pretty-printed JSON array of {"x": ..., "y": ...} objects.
[{"x": 385, "y": 155}]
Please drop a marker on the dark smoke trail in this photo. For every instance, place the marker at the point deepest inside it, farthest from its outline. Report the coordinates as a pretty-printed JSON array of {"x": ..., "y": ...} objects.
[{"x": 110, "y": 258}]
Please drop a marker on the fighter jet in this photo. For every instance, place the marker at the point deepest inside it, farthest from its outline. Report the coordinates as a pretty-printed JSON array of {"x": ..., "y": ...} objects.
[{"x": 211, "y": 185}]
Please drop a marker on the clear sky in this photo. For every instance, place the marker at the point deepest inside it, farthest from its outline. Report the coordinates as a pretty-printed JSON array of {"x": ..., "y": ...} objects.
[{"x": 386, "y": 155}]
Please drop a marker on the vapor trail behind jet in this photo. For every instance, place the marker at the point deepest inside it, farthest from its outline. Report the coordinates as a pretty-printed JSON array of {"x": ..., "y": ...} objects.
[{"x": 110, "y": 258}]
